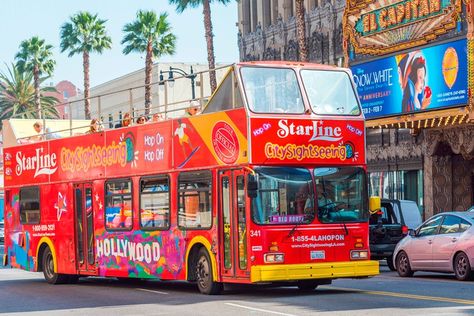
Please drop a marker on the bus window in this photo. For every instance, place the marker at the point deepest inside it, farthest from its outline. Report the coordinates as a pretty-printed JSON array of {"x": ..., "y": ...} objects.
[
  {"x": 242, "y": 223},
  {"x": 118, "y": 205},
  {"x": 29, "y": 205},
  {"x": 154, "y": 203},
  {"x": 194, "y": 198},
  {"x": 342, "y": 194},
  {"x": 330, "y": 92},
  {"x": 284, "y": 196},
  {"x": 272, "y": 90}
]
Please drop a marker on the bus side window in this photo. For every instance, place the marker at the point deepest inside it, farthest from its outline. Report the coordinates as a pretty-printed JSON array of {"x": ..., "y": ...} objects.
[
  {"x": 154, "y": 203},
  {"x": 118, "y": 201},
  {"x": 194, "y": 198},
  {"x": 29, "y": 205}
]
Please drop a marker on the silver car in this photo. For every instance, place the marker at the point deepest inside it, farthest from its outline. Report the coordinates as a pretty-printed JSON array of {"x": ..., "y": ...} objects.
[
  {"x": 444, "y": 243},
  {"x": 2, "y": 232}
]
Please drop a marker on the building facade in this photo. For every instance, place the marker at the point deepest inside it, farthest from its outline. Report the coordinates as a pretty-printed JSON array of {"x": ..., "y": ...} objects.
[
  {"x": 267, "y": 30},
  {"x": 424, "y": 154},
  {"x": 412, "y": 64}
]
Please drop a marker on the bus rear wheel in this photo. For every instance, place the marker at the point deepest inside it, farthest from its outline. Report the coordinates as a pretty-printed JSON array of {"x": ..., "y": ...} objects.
[
  {"x": 205, "y": 283},
  {"x": 48, "y": 269}
]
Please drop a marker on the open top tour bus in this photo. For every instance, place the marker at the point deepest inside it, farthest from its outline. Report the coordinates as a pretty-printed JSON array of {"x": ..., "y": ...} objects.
[{"x": 268, "y": 184}]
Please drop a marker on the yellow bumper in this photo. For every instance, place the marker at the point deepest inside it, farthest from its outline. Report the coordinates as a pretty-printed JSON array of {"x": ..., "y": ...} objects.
[{"x": 327, "y": 270}]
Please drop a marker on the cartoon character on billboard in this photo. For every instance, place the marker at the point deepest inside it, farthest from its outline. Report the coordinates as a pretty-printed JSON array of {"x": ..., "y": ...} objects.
[{"x": 412, "y": 74}]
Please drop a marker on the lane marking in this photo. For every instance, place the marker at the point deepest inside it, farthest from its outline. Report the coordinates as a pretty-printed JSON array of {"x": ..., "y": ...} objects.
[
  {"x": 153, "y": 291},
  {"x": 427, "y": 278},
  {"x": 258, "y": 309},
  {"x": 404, "y": 295}
]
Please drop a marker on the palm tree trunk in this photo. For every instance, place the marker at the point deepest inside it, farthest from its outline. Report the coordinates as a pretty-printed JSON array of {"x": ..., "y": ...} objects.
[
  {"x": 37, "y": 90},
  {"x": 87, "y": 104},
  {"x": 148, "y": 68},
  {"x": 210, "y": 44},
  {"x": 301, "y": 30}
]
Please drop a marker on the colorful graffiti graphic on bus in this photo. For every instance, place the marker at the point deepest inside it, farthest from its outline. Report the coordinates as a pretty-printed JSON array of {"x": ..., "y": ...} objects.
[
  {"x": 142, "y": 254},
  {"x": 19, "y": 252}
]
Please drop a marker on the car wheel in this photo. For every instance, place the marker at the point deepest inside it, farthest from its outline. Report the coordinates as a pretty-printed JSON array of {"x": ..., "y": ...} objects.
[
  {"x": 462, "y": 268},
  {"x": 204, "y": 279},
  {"x": 403, "y": 265},
  {"x": 390, "y": 263}
]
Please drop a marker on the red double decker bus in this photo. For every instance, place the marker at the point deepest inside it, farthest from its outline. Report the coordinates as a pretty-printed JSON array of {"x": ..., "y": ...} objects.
[{"x": 268, "y": 184}]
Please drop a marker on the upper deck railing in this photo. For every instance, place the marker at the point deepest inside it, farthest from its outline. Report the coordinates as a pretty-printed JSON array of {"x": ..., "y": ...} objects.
[{"x": 168, "y": 101}]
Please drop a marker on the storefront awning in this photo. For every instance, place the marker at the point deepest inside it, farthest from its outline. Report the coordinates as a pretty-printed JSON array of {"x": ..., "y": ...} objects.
[{"x": 431, "y": 119}]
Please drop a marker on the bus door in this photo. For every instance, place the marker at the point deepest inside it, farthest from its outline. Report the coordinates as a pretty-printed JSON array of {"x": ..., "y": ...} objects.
[
  {"x": 233, "y": 225},
  {"x": 84, "y": 221}
]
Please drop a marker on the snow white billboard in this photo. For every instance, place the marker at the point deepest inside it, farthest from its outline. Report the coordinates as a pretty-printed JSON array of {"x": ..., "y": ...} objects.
[{"x": 421, "y": 80}]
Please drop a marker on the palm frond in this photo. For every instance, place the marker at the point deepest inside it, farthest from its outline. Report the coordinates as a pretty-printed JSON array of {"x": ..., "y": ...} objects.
[
  {"x": 17, "y": 95},
  {"x": 148, "y": 27}
]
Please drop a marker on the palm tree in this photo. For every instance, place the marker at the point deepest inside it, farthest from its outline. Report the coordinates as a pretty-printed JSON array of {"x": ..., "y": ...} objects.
[
  {"x": 17, "y": 95},
  {"x": 35, "y": 56},
  {"x": 83, "y": 34},
  {"x": 301, "y": 30},
  {"x": 151, "y": 34},
  {"x": 181, "y": 5}
]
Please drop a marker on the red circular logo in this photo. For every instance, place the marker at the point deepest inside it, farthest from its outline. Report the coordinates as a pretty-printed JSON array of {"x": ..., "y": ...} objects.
[{"x": 225, "y": 142}]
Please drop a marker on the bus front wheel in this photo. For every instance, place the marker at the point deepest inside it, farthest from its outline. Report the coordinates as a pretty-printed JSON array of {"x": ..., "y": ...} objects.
[
  {"x": 204, "y": 279},
  {"x": 48, "y": 269}
]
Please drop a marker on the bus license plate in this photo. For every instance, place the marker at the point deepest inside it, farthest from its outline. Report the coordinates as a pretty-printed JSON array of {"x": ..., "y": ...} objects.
[{"x": 319, "y": 254}]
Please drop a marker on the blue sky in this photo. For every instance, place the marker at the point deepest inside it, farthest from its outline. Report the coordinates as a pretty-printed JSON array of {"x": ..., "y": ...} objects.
[{"x": 22, "y": 19}]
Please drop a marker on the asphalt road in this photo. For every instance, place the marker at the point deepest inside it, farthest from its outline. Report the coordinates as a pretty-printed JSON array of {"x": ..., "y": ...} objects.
[{"x": 387, "y": 294}]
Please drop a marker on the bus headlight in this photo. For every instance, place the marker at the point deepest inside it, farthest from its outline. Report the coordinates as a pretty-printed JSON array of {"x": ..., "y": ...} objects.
[
  {"x": 274, "y": 258},
  {"x": 359, "y": 254}
]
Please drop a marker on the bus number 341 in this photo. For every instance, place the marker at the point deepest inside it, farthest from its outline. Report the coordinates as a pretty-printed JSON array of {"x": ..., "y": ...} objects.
[{"x": 255, "y": 233}]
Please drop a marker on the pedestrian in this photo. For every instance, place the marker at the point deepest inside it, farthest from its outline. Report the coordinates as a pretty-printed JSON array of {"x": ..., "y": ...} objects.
[
  {"x": 94, "y": 126},
  {"x": 38, "y": 128},
  {"x": 126, "y": 121},
  {"x": 141, "y": 119},
  {"x": 157, "y": 117},
  {"x": 193, "y": 109}
]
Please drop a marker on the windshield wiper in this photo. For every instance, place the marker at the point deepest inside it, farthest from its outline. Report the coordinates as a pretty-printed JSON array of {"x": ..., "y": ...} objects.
[{"x": 343, "y": 222}]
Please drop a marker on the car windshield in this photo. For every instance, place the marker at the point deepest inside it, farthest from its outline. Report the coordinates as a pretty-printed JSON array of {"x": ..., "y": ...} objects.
[
  {"x": 411, "y": 214},
  {"x": 342, "y": 194},
  {"x": 470, "y": 215},
  {"x": 330, "y": 92},
  {"x": 284, "y": 196},
  {"x": 272, "y": 90}
]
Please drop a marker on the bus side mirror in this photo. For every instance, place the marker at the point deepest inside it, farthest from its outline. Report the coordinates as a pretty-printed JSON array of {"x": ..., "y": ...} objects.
[
  {"x": 374, "y": 204},
  {"x": 252, "y": 187}
]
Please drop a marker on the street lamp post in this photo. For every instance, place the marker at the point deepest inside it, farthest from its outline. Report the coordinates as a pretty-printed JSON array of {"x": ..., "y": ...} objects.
[{"x": 191, "y": 75}]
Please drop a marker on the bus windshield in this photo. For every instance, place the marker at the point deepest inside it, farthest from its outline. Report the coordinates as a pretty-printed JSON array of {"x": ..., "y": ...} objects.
[
  {"x": 330, "y": 92},
  {"x": 284, "y": 196},
  {"x": 272, "y": 90},
  {"x": 342, "y": 194}
]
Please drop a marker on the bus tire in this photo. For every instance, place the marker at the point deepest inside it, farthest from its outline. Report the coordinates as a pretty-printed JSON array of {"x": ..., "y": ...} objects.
[
  {"x": 48, "y": 269},
  {"x": 205, "y": 283},
  {"x": 307, "y": 285}
]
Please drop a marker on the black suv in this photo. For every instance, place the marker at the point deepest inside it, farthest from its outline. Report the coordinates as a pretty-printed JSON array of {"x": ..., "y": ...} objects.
[{"x": 389, "y": 225}]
